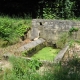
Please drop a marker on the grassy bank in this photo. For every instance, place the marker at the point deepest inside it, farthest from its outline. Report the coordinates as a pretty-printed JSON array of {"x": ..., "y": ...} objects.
[
  {"x": 11, "y": 29},
  {"x": 24, "y": 70}
]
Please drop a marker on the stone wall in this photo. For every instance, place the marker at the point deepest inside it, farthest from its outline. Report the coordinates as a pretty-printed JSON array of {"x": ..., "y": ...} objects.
[{"x": 50, "y": 30}]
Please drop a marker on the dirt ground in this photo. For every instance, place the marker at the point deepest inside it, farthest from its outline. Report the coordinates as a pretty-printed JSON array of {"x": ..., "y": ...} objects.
[{"x": 12, "y": 48}]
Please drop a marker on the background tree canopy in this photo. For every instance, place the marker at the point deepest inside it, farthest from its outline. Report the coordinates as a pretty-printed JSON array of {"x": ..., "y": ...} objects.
[{"x": 40, "y": 8}]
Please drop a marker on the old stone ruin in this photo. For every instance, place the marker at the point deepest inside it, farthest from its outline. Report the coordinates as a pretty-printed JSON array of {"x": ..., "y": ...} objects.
[
  {"x": 44, "y": 31},
  {"x": 50, "y": 30}
]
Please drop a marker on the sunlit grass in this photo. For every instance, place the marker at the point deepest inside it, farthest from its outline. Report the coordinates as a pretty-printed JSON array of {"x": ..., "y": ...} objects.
[{"x": 47, "y": 53}]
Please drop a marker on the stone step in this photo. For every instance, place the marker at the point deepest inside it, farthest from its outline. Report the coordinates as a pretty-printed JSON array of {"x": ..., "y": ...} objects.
[{"x": 31, "y": 44}]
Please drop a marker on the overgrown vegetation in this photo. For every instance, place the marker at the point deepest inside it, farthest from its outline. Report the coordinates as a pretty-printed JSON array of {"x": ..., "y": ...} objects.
[
  {"x": 59, "y": 9},
  {"x": 68, "y": 37},
  {"x": 62, "y": 41},
  {"x": 72, "y": 31},
  {"x": 11, "y": 29},
  {"x": 69, "y": 70},
  {"x": 22, "y": 70}
]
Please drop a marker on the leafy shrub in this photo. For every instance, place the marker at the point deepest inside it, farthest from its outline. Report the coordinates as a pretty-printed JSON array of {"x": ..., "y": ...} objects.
[
  {"x": 11, "y": 29},
  {"x": 34, "y": 64},
  {"x": 73, "y": 29},
  {"x": 73, "y": 33},
  {"x": 47, "y": 13},
  {"x": 69, "y": 70},
  {"x": 22, "y": 69}
]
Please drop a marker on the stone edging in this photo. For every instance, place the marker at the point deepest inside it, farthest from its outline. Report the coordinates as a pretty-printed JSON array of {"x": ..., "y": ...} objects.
[{"x": 61, "y": 54}]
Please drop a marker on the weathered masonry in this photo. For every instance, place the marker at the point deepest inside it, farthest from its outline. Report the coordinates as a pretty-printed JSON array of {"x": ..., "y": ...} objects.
[{"x": 50, "y": 30}]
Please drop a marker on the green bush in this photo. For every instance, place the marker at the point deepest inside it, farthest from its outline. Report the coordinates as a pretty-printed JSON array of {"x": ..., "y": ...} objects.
[
  {"x": 47, "y": 13},
  {"x": 22, "y": 69},
  {"x": 11, "y": 29},
  {"x": 69, "y": 70},
  {"x": 73, "y": 29}
]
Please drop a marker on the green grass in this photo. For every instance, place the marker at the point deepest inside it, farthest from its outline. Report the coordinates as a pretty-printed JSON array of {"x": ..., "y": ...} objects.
[
  {"x": 47, "y": 53},
  {"x": 24, "y": 70},
  {"x": 1, "y": 75}
]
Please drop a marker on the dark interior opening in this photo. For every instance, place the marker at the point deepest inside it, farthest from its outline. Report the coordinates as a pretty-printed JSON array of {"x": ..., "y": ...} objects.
[{"x": 40, "y": 23}]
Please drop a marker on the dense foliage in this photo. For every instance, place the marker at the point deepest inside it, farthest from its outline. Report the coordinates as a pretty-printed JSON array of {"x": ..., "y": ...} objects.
[
  {"x": 41, "y": 8},
  {"x": 22, "y": 70},
  {"x": 11, "y": 29}
]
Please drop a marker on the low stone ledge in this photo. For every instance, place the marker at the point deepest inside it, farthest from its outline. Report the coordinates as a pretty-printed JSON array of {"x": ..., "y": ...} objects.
[
  {"x": 61, "y": 54},
  {"x": 31, "y": 44},
  {"x": 30, "y": 48}
]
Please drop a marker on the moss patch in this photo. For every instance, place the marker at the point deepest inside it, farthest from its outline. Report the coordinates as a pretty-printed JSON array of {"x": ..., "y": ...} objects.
[{"x": 47, "y": 53}]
